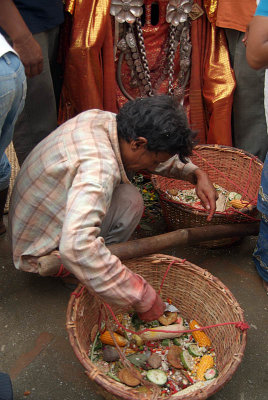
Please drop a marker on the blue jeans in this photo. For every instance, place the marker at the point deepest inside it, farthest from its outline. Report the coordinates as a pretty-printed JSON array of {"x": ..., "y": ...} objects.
[
  {"x": 260, "y": 255},
  {"x": 12, "y": 97}
]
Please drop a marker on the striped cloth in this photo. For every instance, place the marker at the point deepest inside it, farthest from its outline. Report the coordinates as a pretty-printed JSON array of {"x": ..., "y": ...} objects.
[{"x": 60, "y": 197}]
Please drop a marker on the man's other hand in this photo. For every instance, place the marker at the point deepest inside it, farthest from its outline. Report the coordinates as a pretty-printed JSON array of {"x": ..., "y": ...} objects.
[
  {"x": 30, "y": 54},
  {"x": 206, "y": 192}
]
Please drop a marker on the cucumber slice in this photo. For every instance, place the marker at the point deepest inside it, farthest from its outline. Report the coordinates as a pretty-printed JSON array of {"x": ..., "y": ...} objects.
[
  {"x": 234, "y": 195},
  {"x": 157, "y": 376},
  {"x": 187, "y": 360},
  {"x": 195, "y": 351},
  {"x": 211, "y": 373}
]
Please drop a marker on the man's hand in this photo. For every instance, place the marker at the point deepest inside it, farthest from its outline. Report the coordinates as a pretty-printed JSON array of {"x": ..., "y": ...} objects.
[
  {"x": 206, "y": 192},
  {"x": 155, "y": 311},
  {"x": 30, "y": 54}
]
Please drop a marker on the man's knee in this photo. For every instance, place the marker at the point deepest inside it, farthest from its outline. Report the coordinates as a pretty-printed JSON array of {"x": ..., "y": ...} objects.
[{"x": 132, "y": 199}]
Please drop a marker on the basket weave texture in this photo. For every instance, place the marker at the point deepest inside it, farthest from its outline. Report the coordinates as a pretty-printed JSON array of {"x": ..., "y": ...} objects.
[
  {"x": 233, "y": 169},
  {"x": 196, "y": 293},
  {"x": 11, "y": 155}
]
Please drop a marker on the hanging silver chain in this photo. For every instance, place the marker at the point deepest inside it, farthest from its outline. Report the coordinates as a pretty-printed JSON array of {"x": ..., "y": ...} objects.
[
  {"x": 144, "y": 57},
  {"x": 133, "y": 47},
  {"x": 171, "y": 57}
]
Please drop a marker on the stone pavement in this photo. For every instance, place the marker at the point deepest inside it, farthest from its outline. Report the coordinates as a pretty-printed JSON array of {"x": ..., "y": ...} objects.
[{"x": 34, "y": 345}]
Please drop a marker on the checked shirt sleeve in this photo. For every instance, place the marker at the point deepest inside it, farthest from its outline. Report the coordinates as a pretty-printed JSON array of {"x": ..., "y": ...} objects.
[{"x": 174, "y": 168}]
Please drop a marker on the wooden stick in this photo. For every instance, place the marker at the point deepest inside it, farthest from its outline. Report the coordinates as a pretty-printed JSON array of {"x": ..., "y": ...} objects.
[{"x": 50, "y": 264}]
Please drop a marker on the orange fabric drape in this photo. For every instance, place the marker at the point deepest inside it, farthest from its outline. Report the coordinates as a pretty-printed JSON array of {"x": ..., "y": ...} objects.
[
  {"x": 90, "y": 77},
  {"x": 212, "y": 80},
  {"x": 89, "y": 71}
]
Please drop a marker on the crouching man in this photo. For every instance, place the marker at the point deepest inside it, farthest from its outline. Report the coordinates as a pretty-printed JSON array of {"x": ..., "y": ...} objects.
[{"x": 73, "y": 194}]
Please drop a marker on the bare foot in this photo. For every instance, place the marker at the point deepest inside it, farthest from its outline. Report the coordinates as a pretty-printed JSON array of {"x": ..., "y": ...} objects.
[{"x": 2, "y": 227}]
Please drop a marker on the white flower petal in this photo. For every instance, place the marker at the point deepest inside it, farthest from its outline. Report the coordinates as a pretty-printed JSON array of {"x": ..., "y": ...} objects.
[
  {"x": 174, "y": 3},
  {"x": 136, "y": 11},
  {"x": 170, "y": 16},
  {"x": 183, "y": 2},
  {"x": 121, "y": 17},
  {"x": 176, "y": 20},
  {"x": 130, "y": 18},
  {"x": 183, "y": 17},
  {"x": 137, "y": 3},
  {"x": 170, "y": 8},
  {"x": 187, "y": 8},
  {"x": 115, "y": 9},
  {"x": 117, "y": 2}
]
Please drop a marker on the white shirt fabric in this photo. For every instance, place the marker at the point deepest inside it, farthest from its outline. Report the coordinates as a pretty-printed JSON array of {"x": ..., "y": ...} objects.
[{"x": 4, "y": 46}]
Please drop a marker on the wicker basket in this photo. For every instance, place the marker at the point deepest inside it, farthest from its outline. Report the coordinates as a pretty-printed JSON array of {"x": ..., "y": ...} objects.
[
  {"x": 196, "y": 293},
  {"x": 233, "y": 169}
]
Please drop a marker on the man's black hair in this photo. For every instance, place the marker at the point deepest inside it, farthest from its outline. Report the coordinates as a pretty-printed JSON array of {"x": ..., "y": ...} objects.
[{"x": 159, "y": 119}]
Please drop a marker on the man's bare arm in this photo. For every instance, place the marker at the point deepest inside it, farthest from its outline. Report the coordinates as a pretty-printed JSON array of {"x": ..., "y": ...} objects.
[
  {"x": 257, "y": 42},
  {"x": 23, "y": 41}
]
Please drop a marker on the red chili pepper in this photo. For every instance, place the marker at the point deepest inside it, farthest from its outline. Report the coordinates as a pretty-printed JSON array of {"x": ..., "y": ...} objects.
[
  {"x": 188, "y": 377},
  {"x": 172, "y": 387}
]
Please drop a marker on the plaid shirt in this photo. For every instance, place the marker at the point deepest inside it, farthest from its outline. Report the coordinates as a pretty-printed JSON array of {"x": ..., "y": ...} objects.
[{"x": 60, "y": 197}]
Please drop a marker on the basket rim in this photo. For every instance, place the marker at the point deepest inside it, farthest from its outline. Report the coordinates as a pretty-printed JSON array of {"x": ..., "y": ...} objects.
[
  {"x": 116, "y": 388},
  {"x": 221, "y": 147}
]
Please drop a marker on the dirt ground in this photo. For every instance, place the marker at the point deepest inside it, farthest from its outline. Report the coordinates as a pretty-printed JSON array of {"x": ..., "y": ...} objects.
[{"x": 35, "y": 349}]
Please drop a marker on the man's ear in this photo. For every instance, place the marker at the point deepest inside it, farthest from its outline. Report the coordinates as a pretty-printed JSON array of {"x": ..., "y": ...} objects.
[{"x": 139, "y": 143}]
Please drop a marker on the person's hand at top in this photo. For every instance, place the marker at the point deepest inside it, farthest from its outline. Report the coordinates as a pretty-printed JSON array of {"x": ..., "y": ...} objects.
[
  {"x": 155, "y": 311},
  {"x": 22, "y": 39},
  {"x": 205, "y": 191},
  {"x": 30, "y": 54}
]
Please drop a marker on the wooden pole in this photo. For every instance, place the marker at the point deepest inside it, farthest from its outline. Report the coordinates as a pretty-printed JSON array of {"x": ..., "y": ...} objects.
[{"x": 50, "y": 264}]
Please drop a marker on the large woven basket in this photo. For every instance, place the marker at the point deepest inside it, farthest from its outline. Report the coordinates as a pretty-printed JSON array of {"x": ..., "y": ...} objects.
[
  {"x": 196, "y": 293},
  {"x": 233, "y": 169}
]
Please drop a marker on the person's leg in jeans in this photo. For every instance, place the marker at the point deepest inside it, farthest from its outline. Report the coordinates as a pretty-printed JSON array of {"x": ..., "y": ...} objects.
[
  {"x": 260, "y": 255},
  {"x": 39, "y": 116},
  {"x": 12, "y": 97},
  {"x": 6, "y": 391}
]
